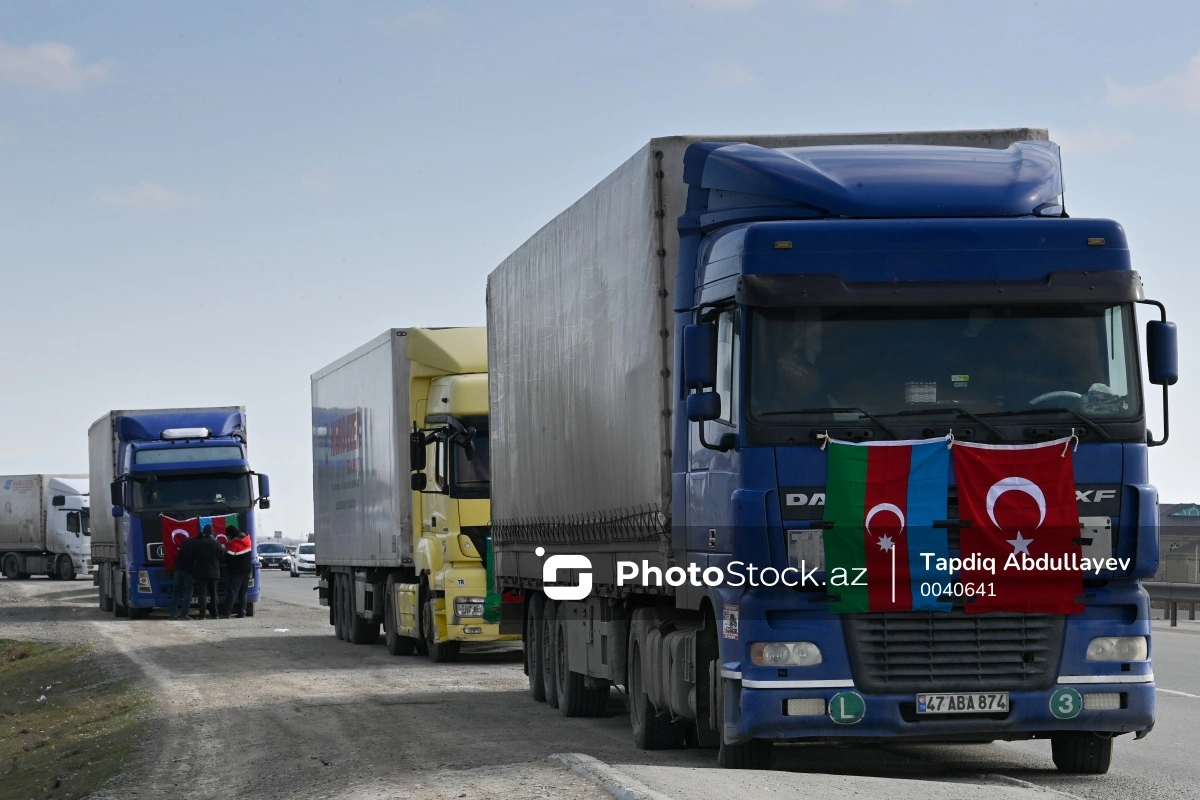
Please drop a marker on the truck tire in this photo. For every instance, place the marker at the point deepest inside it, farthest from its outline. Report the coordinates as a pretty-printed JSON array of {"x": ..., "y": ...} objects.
[
  {"x": 362, "y": 631},
  {"x": 249, "y": 609},
  {"x": 1081, "y": 752},
  {"x": 651, "y": 730},
  {"x": 65, "y": 569},
  {"x": 549, "y": 661},
  {"x": 535, "y": 666},
  {"x": 139, "y": 613},
  {"x": 439, "y": 652},
  {"x": 336, "y": 606},
  {"x": 106, "y": 603},
  {"x": 754, "y": 754},
  {"x": 12, "y": 567},
  {"x": 575, "y": 697},
  {"x": 119, "y": 607},
  {"x": 397, "y": 645}
]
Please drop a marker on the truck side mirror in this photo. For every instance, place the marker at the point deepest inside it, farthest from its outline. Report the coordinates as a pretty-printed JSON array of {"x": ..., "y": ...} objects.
[
  {"x": 264, "y": 502},
  {"x": 264, "y": 487},
  {"x": 419, "y": 481},
  {"x": 416, "y": 452},
  {"x": 704, "y": 406},
  {"x": 116, "y": 495},
  {"x": 699, "y": 355},
  {"x": 1162, "y": 351}
]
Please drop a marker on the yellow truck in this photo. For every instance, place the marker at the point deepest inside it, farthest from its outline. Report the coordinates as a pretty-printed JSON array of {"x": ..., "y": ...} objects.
[{"x": 401, "y": 483}]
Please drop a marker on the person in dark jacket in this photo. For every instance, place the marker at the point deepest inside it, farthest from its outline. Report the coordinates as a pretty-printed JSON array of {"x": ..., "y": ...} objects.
[
  {"x": 184, "y": 586},
  {"x": 206, "y": 569},
  {"x": 239, "y": 564}
]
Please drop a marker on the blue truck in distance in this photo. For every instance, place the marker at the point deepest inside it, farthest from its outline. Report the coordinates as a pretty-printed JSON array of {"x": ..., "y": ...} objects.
[
  {"x": 179, "y": 463},
  {"x": 666, "y": 359}
]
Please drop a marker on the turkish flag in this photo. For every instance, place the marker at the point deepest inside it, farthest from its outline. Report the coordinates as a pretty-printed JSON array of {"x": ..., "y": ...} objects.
[
  {"x": 174, "y": 531},
  {"x": 1020, "y": 500}
]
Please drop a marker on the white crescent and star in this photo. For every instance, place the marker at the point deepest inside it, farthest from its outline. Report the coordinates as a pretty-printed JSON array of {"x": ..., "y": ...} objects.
[
  {"x": 1019, "y": 544},
  {"x": 178, "y": 535},
  {"x": 885, "y": 542}
]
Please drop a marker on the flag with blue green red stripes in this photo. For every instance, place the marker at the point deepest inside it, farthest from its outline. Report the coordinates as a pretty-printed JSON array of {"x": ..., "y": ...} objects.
[{"x": 881, "y": 502}]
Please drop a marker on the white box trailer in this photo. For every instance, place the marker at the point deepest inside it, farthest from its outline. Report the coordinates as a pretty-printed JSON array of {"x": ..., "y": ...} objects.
[{"x": 44, "y": 526}]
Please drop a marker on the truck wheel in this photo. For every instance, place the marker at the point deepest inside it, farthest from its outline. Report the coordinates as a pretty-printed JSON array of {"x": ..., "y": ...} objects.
[
  {"x": 106, "y": 603},
  {"x": 754, "y": 754},
  {"x": 439, "y": 652},
  {"x": 575, "y": 697},
  {"x": 335, "y": 605},
  {"x": 1081, "y": 752},
  {"x": 249, "y": 609},
  {"x": 397, "y": 645},
  {"x": 651, "y": 730},
  {"x": 119, "y": 607},
  {"x": 549, "y": 661},
  {"x": 535, "y": 609},
  {"x": 66, "y": 569},
  {"x": 362, "y": 631},
  {"x": 139, "y": 613},
  {"x": 12, "y": 567}
]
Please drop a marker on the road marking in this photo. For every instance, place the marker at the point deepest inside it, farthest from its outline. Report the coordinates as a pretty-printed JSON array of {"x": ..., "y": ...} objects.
[
  {"x": 1026, "y": 784},
  {"x": 1179, "y": 694},
  {"x": 608, "y": 777}
]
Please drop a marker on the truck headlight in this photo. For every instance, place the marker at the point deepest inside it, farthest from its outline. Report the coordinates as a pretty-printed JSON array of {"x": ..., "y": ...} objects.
[
  {"x": 143, "y": 581},
  {"x": 785, "y": 654},
  {"x": 1118, "y": 648},
  {"x": 468, "y": 607}
]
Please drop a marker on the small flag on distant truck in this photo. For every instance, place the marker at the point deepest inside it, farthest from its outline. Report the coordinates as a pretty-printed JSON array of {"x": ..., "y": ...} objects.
[{"x": 881, "y": 500}]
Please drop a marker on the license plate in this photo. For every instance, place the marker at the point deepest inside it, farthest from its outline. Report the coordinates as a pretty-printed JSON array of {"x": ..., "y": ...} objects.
[{"x": 963, "y": 703}]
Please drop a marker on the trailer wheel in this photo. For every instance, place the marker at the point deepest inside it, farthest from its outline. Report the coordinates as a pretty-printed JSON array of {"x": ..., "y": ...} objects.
[
  {"x": 575, "y": 697},
  {"x": 397, "y": 645},
  {"x": 12, "y": 567},
  {"x": 549, "y": 661},
  {"x": 1081, "y": 752},
  {"x": 439, "y": 652},
  {"x": 335, "y": 605},
  {"x": 66, "y": 568},
  {"x": 754, "y": 754},
  {"x": 651, "y": 730},
  {"x": 362, "y": 631},
  {"x": 535, "y": 666}
]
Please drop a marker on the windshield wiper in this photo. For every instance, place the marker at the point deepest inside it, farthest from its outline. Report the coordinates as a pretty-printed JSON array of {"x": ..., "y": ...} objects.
[
  {"x": 961, "y": 412},
  {"x": 1092, "y": 425},
  {"x": 842, "y": 410}
]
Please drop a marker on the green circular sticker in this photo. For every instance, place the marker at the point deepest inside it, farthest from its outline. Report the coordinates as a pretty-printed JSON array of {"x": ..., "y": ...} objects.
[
  {"x": 1066, "y": 704},
  {"x": 847, "y": 708}
]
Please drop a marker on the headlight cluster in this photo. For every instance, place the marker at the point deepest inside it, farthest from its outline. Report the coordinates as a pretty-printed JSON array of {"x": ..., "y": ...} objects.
[
  {"x": 468, "y": 607},
  {"x": 1118, "y": 648},
  {"x": 785, "y": 654}
]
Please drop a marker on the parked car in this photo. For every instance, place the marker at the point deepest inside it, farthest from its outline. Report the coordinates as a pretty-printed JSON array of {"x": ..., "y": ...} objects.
[
  {"x": 305, "y": 560},
  {"x": 271, "y": 554}
]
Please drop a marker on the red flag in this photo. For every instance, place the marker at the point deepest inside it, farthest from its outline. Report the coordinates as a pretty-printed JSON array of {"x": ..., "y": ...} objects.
[
  {"x": 1020, "y": 500},
  {"x": 174, "y": 531}
]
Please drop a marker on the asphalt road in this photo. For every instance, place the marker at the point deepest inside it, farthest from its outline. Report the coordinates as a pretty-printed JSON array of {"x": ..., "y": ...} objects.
[{"x": 225, "y": 683}]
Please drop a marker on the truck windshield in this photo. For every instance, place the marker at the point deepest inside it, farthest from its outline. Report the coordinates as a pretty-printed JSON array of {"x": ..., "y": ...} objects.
[
  {"x": 474, "y": 474},
  {"x": 191, "y": 491},
  {"x": 982, "y": 359}
]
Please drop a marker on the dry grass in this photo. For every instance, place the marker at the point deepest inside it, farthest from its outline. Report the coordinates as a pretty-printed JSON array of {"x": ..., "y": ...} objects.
[{"x": 64, "y": 728}]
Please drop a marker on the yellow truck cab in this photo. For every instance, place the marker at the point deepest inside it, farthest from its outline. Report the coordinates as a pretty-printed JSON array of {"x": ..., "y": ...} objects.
[{"x": 402, "y": 483}]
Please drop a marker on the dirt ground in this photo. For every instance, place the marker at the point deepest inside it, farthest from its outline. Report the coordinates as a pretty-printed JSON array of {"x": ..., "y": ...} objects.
[{"x": 275, "y": 707}]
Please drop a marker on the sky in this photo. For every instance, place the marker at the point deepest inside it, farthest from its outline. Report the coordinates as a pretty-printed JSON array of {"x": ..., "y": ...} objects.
[{"x": 203, "y": 204}]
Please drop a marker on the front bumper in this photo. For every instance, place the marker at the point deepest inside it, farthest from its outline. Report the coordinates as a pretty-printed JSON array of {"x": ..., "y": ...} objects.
[{"x": 757, "y": 712}]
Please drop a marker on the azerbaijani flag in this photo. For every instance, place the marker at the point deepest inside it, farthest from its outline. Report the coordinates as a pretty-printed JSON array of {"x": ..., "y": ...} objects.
[
  {"x": 882, "y": 499},
  {"x": 219, "y": 524}
]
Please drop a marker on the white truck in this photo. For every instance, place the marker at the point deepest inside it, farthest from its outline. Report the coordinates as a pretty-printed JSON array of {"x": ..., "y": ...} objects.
[{"x": 45, "y": 526}]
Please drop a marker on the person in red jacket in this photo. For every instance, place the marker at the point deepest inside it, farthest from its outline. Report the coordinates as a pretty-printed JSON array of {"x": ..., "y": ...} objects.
[{"x": 239, "y": 565}]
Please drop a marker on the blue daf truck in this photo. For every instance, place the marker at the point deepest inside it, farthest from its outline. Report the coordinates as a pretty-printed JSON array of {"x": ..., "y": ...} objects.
[
  {"x": 668, "y": 357},
  {"x": 176, "y": 463}
]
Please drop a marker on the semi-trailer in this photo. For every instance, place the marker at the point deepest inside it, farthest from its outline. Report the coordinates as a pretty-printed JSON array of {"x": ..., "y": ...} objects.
[
  {"x": 180, "y": 465},
  {"x": 670, "y": 359},
  {"x": 400, "y": 488},
  {"x": 45, "y": 526}
]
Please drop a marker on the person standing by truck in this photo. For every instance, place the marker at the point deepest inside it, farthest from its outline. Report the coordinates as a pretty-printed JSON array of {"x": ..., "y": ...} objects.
[
  {"x": 185, "y": 584},
  {"x": 239, "y": 563},
  {"x": 206, "y": 569}
]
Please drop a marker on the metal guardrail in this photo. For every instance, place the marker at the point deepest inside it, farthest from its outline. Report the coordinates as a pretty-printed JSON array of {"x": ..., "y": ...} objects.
[{"x": 1172, "y": 594}]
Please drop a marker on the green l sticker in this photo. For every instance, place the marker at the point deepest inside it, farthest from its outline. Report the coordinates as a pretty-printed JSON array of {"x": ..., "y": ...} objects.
[{"x": 847, "y": 708}]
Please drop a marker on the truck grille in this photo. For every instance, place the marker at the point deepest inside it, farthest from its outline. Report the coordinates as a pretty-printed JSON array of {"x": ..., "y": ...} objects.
[{"x": 955, "y": 651}]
